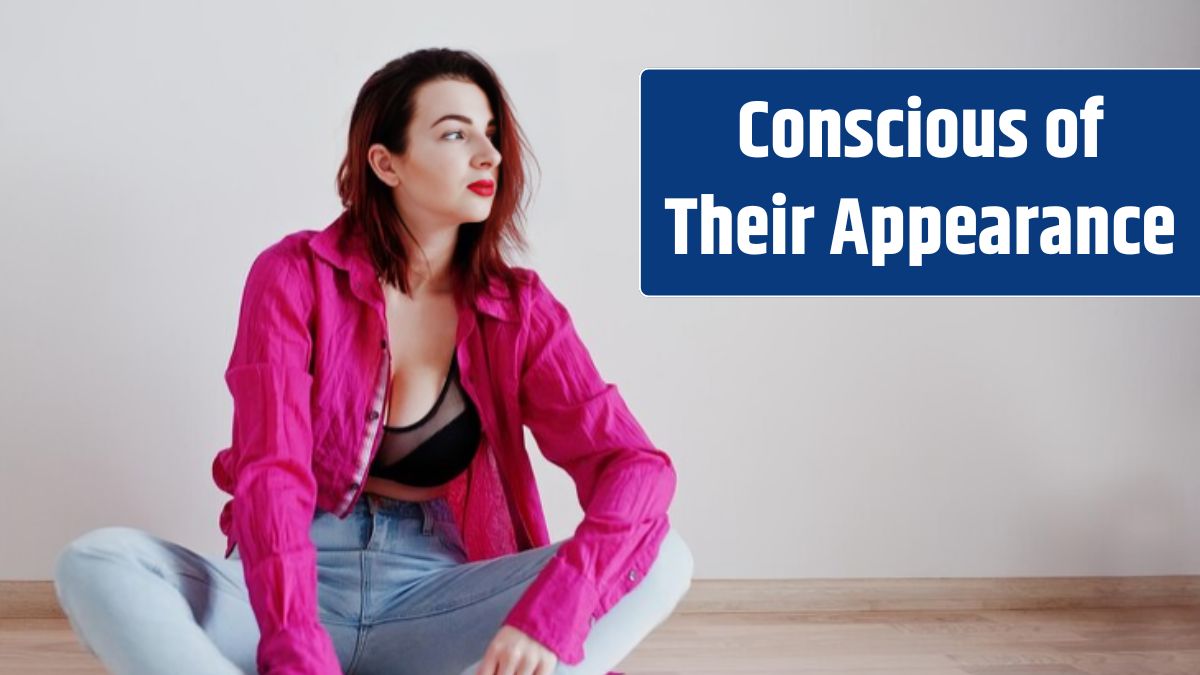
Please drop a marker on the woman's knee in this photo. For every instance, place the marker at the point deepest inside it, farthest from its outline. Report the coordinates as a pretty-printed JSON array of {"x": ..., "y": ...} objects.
[
  {"x": 674, "y": 566},
  {"x": 81, "y": 561}
]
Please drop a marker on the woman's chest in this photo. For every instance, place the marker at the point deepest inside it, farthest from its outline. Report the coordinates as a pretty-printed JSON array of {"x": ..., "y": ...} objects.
[
  {"x": 377, "y": 357},
  {"x": 421, "y": 344}
]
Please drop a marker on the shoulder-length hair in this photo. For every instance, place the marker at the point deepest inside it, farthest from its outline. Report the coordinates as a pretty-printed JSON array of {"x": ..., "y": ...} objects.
[{"x": 382, "y": 114}]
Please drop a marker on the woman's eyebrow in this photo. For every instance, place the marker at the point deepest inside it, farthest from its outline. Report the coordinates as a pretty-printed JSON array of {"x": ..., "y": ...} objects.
[{"x": 460, "y": 118}]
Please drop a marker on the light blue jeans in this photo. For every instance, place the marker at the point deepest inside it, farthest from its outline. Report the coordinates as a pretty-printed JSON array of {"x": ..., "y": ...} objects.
[{"x": 395, "y": 593}]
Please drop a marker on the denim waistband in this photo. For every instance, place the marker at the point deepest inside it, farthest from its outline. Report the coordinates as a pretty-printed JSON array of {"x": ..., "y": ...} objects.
[{"x": 436, "y": 509}]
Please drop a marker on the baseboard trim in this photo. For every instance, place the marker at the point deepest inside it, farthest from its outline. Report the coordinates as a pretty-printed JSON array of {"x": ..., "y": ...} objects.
[
  {"x": 28, "y": 600},
  {"x": 939, "y": 594},
  {"x": 36, "y": 599}
]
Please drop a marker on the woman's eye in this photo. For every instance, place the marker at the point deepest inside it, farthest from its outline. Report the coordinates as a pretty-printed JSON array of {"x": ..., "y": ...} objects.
[{"x": 494, "y": 138}]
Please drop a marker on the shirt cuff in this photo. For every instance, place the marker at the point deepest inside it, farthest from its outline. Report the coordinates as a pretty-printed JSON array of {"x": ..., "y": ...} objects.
[
  {"x": 298, "y": 650},
  {"x": 557, "y": 610}
]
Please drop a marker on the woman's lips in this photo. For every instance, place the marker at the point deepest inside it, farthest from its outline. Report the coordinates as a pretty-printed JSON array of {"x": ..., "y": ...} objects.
[{"x": 484, "y": 188}]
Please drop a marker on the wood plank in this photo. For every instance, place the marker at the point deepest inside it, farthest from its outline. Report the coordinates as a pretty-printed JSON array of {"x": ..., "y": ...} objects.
[
  {"x": 35, "y": 599},
  {"x": 1120, "y": 641}
]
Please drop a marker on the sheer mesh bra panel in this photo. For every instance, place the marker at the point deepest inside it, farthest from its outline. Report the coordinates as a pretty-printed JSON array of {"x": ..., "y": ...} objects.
[{"x": 436, "y": 448}]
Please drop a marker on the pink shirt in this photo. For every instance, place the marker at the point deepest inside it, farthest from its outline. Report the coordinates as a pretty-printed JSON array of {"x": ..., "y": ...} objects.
[{"x": 309, "y": 374}]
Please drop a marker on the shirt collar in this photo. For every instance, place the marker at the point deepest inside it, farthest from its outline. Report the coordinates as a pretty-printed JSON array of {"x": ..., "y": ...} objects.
[{"x": 344, "y": 247}]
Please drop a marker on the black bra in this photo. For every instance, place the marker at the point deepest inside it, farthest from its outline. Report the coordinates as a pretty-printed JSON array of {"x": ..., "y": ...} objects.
[{"x": 437, "y": 447}]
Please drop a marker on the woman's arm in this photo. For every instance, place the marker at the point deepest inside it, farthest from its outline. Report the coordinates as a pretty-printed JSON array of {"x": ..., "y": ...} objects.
[
  {"x": 624, "y": 483},
  {"x": 275, "y": 490}
]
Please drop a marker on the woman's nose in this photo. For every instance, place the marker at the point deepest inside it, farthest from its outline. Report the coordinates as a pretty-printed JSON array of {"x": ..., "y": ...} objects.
[{"x": 488, "y": 156}]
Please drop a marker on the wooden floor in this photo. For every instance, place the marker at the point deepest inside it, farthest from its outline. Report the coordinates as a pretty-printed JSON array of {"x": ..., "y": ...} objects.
[{"x": 1132, "y": 641}]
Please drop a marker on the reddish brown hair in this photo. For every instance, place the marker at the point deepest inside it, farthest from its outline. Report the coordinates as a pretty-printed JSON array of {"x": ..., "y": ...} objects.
[{"x": 382, "y": 114}]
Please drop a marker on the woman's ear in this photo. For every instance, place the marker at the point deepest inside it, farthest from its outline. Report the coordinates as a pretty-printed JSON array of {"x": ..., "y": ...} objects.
[{"x": 382, "y": 162}]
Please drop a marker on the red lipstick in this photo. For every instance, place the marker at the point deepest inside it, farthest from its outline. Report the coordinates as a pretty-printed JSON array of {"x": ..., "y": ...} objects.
[{"x": 484, "y": 188}]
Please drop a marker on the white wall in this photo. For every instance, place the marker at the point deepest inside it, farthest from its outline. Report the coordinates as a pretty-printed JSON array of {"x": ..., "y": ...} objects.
[{"x": 149, "y": 150}]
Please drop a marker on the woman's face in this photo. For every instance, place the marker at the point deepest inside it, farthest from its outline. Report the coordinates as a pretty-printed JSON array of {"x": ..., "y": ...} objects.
[{"x": 450, "y": 146}]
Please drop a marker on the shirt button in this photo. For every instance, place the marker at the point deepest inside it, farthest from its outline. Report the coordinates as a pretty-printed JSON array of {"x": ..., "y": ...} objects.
[
  {"x": 633, "y": 575},
  {"x": 354, "y": 486},
  {"x": 383, "y": 344},
  {"x": 373, "y": 415}
]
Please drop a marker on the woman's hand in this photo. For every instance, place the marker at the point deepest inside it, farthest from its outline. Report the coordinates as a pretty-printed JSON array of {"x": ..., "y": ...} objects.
[{"x": 512, "y": 652}]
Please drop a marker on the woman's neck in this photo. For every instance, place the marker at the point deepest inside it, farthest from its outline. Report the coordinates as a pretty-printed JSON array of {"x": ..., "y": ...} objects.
[{"x": 429, "y": 261}]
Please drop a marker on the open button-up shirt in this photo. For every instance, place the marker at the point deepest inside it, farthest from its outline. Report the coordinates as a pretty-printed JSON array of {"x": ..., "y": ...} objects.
[{"x": 309, "y": 374}]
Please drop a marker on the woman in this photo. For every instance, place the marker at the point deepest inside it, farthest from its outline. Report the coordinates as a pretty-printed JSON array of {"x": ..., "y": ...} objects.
[{"x": 384, "y": 516}]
